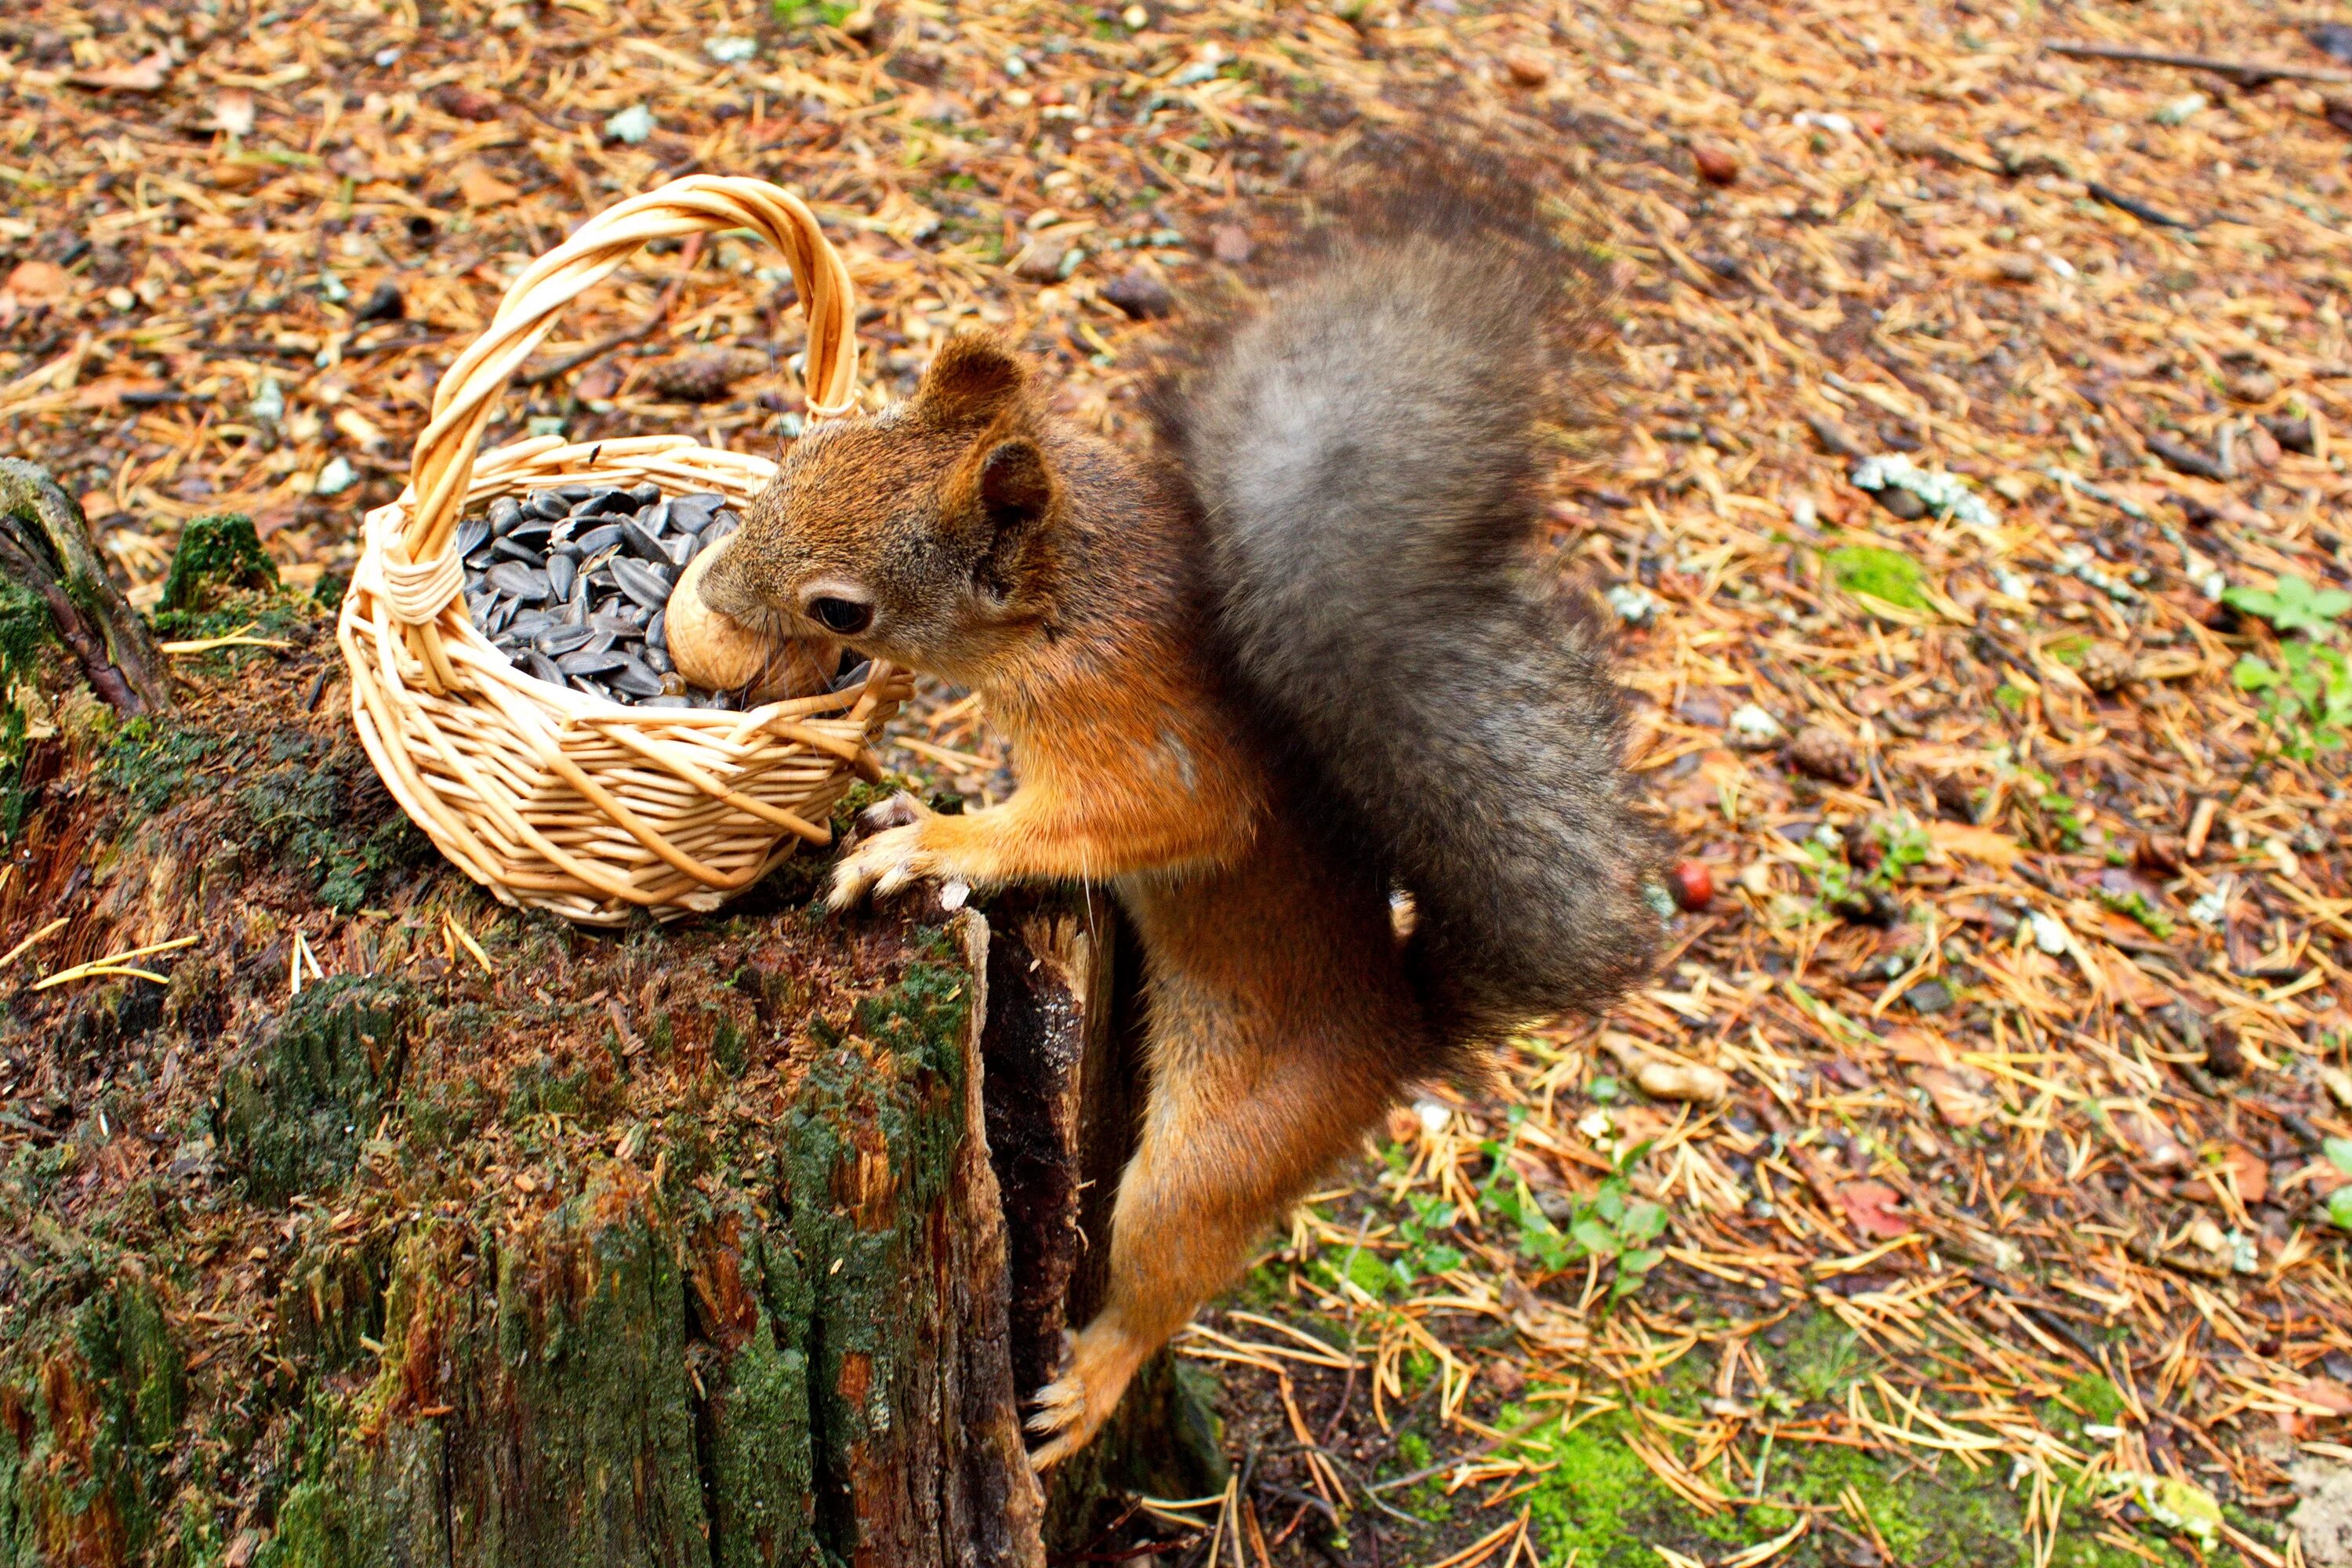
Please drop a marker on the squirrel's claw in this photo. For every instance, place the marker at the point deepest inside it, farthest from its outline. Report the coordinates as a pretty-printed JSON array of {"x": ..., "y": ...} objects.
[
  {"x": 883, "y": 865},
  {"x": 1068, "y": 1411}
]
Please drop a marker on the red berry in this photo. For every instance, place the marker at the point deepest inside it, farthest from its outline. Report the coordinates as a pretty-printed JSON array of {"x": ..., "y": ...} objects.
[{"x": 1694, "y": 884}]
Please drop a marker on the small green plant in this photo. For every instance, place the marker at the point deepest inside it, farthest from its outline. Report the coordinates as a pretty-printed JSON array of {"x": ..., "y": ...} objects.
[
  {"x": 2339, "y": 1202},
  {"x": 1613, "y": 1224},
  {"x": 2134, "y": 905},
  {"x": 2306, "y": 699},
  {"x": 2047, "y": 815},
  {"x": 1887, "y": 575},
  {"x": 2294, "y": 606},
  {"x": 800, "y": 14},
  {"x": 1841, "y": 885}
]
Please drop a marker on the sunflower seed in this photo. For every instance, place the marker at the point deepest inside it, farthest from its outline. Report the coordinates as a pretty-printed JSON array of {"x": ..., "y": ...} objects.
[
  {"x": 544, "y": 668},
  {"x": 693, "y": 512},
  {"x": 649, "y": 585},
  {"x": 514, "y": 578},
  {"x": 586, "y": 663},
  {"x": 589, "y": 541},
  {"x": 635, "y": 679},
  {"x": 562, "y": 639},
  {"x": 642, "y": 545},
  {"x": 473, "y": 532},
  {"x": 561, "y": 571},
  {"x": 546, "y": 504},
  {"x": 505, "y": 512}
]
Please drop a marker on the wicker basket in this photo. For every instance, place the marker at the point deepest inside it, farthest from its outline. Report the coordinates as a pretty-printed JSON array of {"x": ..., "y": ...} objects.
[{"x": 547, "y": 796}]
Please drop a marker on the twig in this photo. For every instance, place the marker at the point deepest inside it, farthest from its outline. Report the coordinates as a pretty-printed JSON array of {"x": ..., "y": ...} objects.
[
  {"x": 2244, "y": 73},
  {"x": 2138, "y": 208},
  {"x": 541, "y": 374}
]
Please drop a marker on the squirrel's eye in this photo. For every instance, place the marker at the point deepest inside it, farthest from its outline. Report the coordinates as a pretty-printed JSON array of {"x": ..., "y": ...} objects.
[{"x": 846, "y": 617}]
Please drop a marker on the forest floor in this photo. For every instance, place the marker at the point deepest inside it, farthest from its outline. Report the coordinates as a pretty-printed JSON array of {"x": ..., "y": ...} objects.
[{"x": 1989, "y": 1192}]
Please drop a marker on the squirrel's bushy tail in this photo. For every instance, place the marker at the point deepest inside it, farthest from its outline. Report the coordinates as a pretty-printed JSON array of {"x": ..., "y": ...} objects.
[{"x": 1365, "y": 452}]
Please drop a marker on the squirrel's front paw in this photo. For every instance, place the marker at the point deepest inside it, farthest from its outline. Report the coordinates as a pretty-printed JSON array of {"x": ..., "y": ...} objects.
[{"x": 889, "y": 859}]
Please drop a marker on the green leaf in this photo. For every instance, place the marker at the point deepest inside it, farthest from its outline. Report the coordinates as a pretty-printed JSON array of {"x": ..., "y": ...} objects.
[
  {"x": 2339, "y": 1207},
  {"x": 2339, "y": 1154},
  {"x": 2294, "y": 606},
  {"x": 1640, "y": 1261},
  {"x": 1598, "y": 1239},
  {"x": 2253, "y": 675},
  {"x": 1644, "y": 1221}
]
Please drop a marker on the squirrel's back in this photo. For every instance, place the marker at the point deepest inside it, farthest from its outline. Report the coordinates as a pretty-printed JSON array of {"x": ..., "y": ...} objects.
[{"x": 1366, "y": 453}]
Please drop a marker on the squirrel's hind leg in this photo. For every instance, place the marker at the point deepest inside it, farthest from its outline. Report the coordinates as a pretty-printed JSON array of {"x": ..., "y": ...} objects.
[{"x": 1248, "y": 1103}]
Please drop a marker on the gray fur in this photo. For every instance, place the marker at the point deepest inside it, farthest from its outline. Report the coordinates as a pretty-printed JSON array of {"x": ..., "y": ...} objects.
[{"x": 1364, "y": 454}]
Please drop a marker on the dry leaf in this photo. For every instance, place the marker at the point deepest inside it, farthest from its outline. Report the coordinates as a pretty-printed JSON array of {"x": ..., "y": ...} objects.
[
  {"x": 145, "y": 75},
  {"x": 1919, "y": 1047},
  {"x": 38, "y": 281},
  {"x": 477, "y": 187},
  {"x": 2249, "y": 1176},
  {"x": 1994, "y": 848},
  {"x": 2325, "y": 1392},
  {"x": 1959, "y": 1102},
  {"x": 1872, "y": 1208},
  {"x": 2151, "y": 1140}
]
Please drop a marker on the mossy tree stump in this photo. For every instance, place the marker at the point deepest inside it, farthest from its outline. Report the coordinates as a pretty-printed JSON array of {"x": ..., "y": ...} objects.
[{"x": 342, "y": 1245}]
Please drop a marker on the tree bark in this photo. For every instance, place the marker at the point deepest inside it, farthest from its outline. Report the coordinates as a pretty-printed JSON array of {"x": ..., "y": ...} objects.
[{"x": 340, "y": 1245}]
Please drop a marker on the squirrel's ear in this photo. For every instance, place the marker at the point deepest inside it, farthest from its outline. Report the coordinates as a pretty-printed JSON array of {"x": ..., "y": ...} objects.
[
  {"x": 1016, "y": 486},
  {"x": 1010, "y": 487},
  {"x": 970, "y": 381}
]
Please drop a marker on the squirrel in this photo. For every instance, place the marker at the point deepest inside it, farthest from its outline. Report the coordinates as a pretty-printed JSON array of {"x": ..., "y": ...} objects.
[{"x": 1293, "y": 686}]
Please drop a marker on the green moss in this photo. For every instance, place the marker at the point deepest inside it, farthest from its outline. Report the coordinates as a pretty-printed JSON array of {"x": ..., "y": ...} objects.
[
  {"x": 149, "y": 763},
  {"x": 2096, "y": 1398},
  {"x": 300, "y": 809},
  {"x": 24, "y": 627},
  {"x": 86, "y": 1428},
  {"x": 1820, "y": 1360},
  {"x": 1884, "y": 575},
  {"x": 218, "y": 551},
  {"x": 294, "y": 1112}
]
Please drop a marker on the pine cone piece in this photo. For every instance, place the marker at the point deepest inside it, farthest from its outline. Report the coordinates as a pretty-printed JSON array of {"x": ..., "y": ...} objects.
[
  {"x": 1822, "y": 752},
  {"x": 704, "y": 376},
  {"x": 2106, "y": 667}
]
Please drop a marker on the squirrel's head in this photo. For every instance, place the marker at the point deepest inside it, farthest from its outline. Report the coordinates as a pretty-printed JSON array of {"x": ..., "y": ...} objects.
[{"x": 919, "y": 534}]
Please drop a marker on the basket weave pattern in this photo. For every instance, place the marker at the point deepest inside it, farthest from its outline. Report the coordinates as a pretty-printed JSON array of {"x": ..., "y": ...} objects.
[{"x": 548, "y": 797}]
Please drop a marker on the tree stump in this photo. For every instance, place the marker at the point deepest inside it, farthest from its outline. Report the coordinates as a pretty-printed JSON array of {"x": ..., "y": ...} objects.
[{"x": 387, "y": 1226}]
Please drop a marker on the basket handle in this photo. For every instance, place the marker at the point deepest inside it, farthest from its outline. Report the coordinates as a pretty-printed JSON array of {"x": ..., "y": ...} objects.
[{"x": 443, "y": 467}]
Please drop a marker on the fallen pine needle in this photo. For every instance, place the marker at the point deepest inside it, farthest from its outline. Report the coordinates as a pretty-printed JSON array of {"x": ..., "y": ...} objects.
[
  {"x": 112, "y": 964},
  {"x": 41, "y": 935}
]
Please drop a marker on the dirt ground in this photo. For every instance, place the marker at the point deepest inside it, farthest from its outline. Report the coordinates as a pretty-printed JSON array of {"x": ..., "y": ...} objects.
[{"x": 1972, "y": 1182}]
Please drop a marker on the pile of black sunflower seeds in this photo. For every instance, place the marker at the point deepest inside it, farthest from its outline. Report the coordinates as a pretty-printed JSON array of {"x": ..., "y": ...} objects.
[{"x": 571, "y": 583}]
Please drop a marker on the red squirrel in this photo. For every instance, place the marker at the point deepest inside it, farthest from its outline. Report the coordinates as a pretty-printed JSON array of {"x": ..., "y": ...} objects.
[{"x": 1292, "y": 686}]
